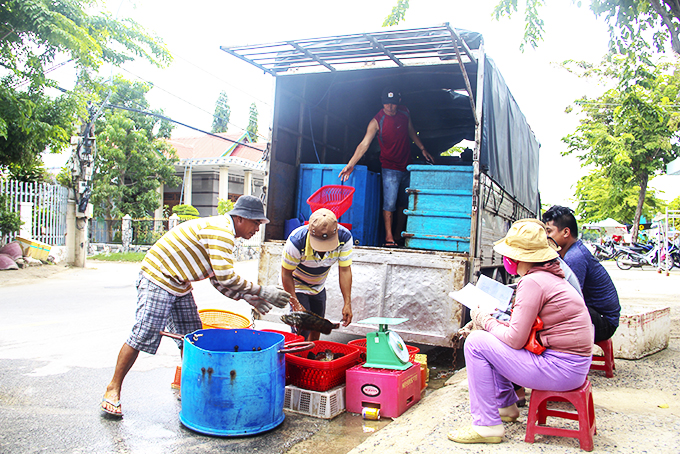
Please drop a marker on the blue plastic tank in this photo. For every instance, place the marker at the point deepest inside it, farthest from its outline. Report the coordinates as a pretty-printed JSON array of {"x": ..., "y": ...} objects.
[{"x": 233, "y": 381}]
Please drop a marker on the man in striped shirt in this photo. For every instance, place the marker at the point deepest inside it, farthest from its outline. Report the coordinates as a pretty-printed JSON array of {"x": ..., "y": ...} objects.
[
  {"x": 192, "y": 251},
  {"x": 308, "y": 255}
]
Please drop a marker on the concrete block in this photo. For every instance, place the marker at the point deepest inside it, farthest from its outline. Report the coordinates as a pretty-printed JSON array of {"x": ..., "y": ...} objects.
[{"x": 642, "y": 331}]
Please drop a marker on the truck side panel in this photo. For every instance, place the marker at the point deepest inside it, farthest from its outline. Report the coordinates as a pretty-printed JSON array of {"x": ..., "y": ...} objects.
[{"x": 408, "y": 284}]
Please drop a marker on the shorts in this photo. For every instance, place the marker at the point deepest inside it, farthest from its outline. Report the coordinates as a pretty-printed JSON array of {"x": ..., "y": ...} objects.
[
  {"x": 394, "y": 183},
  {"x": 315, "y": 304},
  {"x": 159, "y": 310}
]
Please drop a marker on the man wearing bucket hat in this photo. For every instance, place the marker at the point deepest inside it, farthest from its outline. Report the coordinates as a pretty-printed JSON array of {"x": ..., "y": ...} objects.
[
  {"x": 395, "y": 131},
  {"x": 192, "y": 251},
  {"x": 308, "y": 255},
  {"x": 499, "y": 354}
]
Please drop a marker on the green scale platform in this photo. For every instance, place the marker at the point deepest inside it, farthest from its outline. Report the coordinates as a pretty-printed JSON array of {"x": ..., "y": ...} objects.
[{"x": 385, "y": 349}]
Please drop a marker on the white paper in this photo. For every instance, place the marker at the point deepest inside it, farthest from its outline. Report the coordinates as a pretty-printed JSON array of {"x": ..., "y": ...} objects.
[
  {"x": 501, "y": 292},
  {"x": 474, "y": 298}
]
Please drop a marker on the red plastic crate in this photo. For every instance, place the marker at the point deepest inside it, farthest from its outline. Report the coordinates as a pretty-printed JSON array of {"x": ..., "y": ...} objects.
[
  {"x": 336, "y": 198},
  {"x": 288, "y": 338},
  {"x": 320, "y": 375},
  {"x": 361, "y": 345}
]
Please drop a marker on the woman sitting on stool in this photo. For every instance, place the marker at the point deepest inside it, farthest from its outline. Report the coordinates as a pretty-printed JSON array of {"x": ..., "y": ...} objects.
[{"x": 495, "y": 354}]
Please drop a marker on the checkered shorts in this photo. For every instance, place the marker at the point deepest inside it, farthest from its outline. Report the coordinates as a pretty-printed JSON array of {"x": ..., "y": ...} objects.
[{"x": 158, "y": 310}]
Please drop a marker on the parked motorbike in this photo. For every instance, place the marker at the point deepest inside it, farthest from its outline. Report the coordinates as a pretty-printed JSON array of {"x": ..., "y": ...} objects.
[
  {"x": 606, "y": 251},
  {"x": 656, "y": 257}
]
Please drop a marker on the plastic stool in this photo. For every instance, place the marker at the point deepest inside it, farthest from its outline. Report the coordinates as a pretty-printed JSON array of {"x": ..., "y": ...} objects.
[
  {"x": 606, "y": 362},
  {"x": 582, "y": 400}
]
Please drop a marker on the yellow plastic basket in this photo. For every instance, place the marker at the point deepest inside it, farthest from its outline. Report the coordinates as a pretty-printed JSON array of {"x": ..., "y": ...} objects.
[{"x": 216, "y": 318}]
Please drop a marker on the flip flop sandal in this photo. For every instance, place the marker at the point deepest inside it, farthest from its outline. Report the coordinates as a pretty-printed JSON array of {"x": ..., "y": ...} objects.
[
  {"x": 509, "y": 418},
  {"x": 117, "y": 412},
  {"x": 469, "y": 435},
  {"x": 391, "y": 244}
]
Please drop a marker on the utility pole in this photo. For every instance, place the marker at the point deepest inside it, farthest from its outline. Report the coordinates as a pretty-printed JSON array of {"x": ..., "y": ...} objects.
[{"x": 82, "y": 163}]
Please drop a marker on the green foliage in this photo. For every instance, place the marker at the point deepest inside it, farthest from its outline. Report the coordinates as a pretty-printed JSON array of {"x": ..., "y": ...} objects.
[
  {"x": 397, "y": 15},
  {"x": 630, "y": 133},
  {"x": 185, "y": 212},
  {"x": 224, "y": 206},
  {"x": 33, "y": 171},
  {"x": 599, "y": 198},
  {"x": 252, "y": 122},
  {"x": 533, "y": 24},
  {"x": 10, "y": 221},
  {"x": 34, "y": 36},
  {"x": 222, "y": 114},
  {"x": 131, "y": 161},
  {"x": 120, "y": 257},
  {"x": 675, "y": 204},
  {"x": 635, "y": 26}
]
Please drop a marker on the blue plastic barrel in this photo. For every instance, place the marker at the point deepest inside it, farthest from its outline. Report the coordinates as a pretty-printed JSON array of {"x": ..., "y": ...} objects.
[{"x": 233, "y": 381}]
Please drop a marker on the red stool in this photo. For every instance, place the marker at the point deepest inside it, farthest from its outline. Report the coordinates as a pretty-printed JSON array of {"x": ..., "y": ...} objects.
[
  {"x": 606, "y": 362},
  {"x": 582, "y": 400}
]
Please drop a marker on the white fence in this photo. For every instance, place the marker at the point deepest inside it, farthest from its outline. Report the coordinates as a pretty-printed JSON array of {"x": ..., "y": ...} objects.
[{"x": 48, "y": 212}]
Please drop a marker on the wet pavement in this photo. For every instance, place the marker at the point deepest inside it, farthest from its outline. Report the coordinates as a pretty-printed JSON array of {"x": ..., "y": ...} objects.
[
  {"x": 59, "y": 339},
  {"x": 60, "y": 336}
]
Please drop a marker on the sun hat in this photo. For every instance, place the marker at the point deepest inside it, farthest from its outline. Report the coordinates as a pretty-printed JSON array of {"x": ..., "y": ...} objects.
[
  {"x": 526, "y": 241},
  {"x": 249, "y": 207},
  {"x": 323, "y": 230},
  {"x": 390, "y": 96}
]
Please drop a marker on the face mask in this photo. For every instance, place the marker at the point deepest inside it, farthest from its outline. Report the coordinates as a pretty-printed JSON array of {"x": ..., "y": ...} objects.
[{"x": 510, "y": 265}]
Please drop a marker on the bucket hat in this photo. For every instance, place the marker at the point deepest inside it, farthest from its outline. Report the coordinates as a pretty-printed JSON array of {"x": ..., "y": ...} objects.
[
  {"x": 526, "y": 241},
  {"x": 323, "y": 230},
  {"x": 249, "y": 207}
]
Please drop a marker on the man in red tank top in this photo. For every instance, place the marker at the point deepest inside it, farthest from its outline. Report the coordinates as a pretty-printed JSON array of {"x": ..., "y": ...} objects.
[{"x": 394, "y": 129}]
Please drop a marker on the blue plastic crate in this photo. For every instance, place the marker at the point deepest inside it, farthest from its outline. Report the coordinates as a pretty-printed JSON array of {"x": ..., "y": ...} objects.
[
  {"x": 440, "y": 208},
  {"x": 365, "y": 210}
]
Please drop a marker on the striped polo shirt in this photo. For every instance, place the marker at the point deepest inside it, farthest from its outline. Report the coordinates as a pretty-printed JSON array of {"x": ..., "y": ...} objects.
[
  {"x": 195, "y": 250},
  {"x": 309, "y": 268}
]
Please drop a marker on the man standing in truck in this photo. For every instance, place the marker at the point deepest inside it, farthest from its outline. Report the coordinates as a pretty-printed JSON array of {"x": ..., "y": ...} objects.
[
  {"x": 307, "y": 257},
  {"x": 598, "y": 289},
  {"x": 395, "y": 131}
]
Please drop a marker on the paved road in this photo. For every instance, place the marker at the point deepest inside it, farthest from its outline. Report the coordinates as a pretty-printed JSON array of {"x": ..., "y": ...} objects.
[{"x": 59, "y": 339}]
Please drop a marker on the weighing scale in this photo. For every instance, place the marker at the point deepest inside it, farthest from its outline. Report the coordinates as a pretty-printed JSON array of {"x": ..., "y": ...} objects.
[{"x": 385, "y": 349}]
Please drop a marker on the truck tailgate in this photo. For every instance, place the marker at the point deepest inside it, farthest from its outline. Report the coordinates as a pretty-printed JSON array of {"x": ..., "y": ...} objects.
[{"x": 391, "y": 283}]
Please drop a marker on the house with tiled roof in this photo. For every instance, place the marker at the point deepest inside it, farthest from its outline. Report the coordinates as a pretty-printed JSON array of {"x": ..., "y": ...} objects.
[{"x": 213, "y": 167}]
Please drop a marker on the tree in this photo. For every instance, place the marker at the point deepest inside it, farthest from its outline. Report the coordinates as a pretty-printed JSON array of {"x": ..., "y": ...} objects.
[
  {"x": 632, "y": 23},
  {"x": 131, "y": 160},
  {"x": 222, "y": 114},
  {"x": 630, "y": 133},
  {"x": 599, "y": 198},
  {"x": 34, "y": 36},
  {"x": 252, "y": 122}
]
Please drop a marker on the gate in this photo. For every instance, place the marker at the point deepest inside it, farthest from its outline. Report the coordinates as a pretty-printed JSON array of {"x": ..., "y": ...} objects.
[{"x": 48, "y": 212}]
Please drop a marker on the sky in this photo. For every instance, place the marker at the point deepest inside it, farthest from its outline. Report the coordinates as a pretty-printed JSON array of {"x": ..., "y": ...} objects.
[{"x": 188, "y": 88}]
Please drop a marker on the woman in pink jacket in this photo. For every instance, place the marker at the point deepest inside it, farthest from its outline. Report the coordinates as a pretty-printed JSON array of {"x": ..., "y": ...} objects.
[{"x": 495, "y": 354}]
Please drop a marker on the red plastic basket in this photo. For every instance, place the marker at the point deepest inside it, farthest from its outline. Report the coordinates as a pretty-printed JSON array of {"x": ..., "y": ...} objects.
[
  {"x": 336, "y": 198},
  {"x": 320, "y": 375},
  {"x": 361, "y": 345},
  {"x": 287, "y": 337}
]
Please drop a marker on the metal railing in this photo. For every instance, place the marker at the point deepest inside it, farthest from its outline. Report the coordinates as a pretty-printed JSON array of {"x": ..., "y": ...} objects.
[{"x": 48, "y": 212}]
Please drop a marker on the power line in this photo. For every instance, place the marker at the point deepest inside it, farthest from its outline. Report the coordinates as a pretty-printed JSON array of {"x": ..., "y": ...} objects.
[
  {"x": 224, "y": 81},
  {"x": 184, "y": 100},
  {"x": 163, "y": 117}
]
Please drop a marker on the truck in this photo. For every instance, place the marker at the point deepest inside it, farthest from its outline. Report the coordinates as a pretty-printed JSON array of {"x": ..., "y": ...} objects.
[{"x": 326, "y": 91}]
